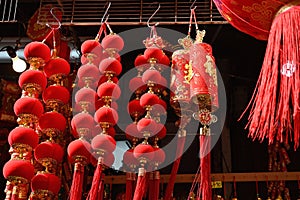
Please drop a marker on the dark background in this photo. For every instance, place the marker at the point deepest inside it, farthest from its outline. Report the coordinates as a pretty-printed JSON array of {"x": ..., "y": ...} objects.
[{"x": 238, "y": 57}]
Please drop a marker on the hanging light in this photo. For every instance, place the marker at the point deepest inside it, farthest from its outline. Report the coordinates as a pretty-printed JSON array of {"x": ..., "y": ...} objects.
[{"x": 18, "y": 65}]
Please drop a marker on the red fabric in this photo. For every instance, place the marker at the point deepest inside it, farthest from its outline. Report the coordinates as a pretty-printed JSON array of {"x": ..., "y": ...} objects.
[
  {"x": 18, "y": 168},
  {"x": 82, "y": 120},
  {"x": 46, "y": 181},
  {"x": 251, "y": 17},
  {"x": 137, "y": 83},
  {"x": 88, "y": 71},
  {"x": 140, "y": 61},
  {"x": 37, "y": 49},
  {"x": 204, "y": 79},
  {"x": 52, "y": 120},
  {"x": 79, "y": 148},
  {"x": 109, "y": 89},
  {"x": 143, "y": 151},
  {"x": 56, "y": 92},
  {"x": 148, "y": 99},
  {"x": 153, "y": 52},
  {"x": 156, "y": 184},
  {"x": 205, "y": 169},
  {"x": 106, "y": 115},
  {"x": 28, "y": 105},
  {"x": 49, "y": 150},
  {"x": 77, "y": 182},
  {"x": 23, "y": 135},
  {"x": 135, "y": 109},
  {"x": 171, "y": 183},
  {"x": 86, "y": 95},
  {"x": 130, "y": 178},
  {"x": 130, "y": 160},
  {"x": 132, "y": 131},
  {"x": 33, "y": 77},
  {"x": 274, "y": 107},
  {"x": 147, "y": 126},
  {"x": 112, "y": 41},
  {"x": 111, "y": 65},
  {"x": 57, "y": 66},
  {"x": 93, "y": 194},
  {"x": 151, "y": 76},
  {"x": 140, "y": 185},
  {"x": 104, "y": 142},
  {"x": 91, "y": 46}
]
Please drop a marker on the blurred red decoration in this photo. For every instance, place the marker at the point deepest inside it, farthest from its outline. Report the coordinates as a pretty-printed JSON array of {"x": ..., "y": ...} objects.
[
  {"x": 106, "y": 116},
  {"x": 57, "y": 67}
]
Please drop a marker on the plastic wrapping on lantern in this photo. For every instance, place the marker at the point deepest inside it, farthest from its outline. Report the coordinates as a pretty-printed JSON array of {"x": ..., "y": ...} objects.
[{"x": 203, "y": 77}]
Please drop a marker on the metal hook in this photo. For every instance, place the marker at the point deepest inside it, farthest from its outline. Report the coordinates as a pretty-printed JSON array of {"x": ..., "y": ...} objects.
[
  {"x": 54, "y": 16},
  {"x": 148, "y": 22},
  {"x": 193, "y": 5},
  {"x": 105, "y": 13}
]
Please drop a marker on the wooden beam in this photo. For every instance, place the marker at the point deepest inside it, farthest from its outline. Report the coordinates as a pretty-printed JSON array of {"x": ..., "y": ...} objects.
[{"x": 224, "y": 177}]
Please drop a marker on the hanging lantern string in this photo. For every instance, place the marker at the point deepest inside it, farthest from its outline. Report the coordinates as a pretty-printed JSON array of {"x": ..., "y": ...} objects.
[
  {"x": 195, "y": 181},
  {"x": 192, "y": 15},
  {"x": 148, "y": 21},
  {"x": 103, "y": 23},
  {"x": 53, "y": 29}
]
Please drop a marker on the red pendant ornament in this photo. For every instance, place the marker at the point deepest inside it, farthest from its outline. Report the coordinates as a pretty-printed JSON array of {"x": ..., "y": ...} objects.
[
  {"x": 275, "y": 114},
  {"x": 45, "y": 185}
]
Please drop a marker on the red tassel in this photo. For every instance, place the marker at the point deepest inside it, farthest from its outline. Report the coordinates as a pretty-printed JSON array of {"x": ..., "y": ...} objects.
[
  {"x": 205, "y": 179},
  {"x": 156, "y": 183},
  {"x": 130, "y": 178},
  {"x": 77, "y": 182},
  {"x": 93, "y": 194},
  {"x": 101, "y": 187},
  {"x": 179, "y": 151},
  {"x": 275, "y": 108},
  {"x": 140, "y": 185},
  {"x": 151, "y": 185}
]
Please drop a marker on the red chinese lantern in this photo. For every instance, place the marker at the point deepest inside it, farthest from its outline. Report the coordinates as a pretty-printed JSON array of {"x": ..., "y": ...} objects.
[
  {"x": 32, "y": 82},
  {"x": 37, "y": 54},
  {"x": 23, "y": 140},
  {"x": 92, "y": 51},
  {"x": 147, "y": 127},
  {"x": 52, "y": 124},
  {"x": 110, "y": 67},
  {"x": 109, "y": 91},
  {"x": 49, "y": 154},
  {"x": 57, "y": 68},
  {"x": 106, "y": 116},
  {"x": 112, "y": 43},
  {"x": 45, "y": 185},
  {"x": 137, "y": 86},
  {"x": 135, "y": 109},
  {"x": 82, "y": 125},
  {"x": 86, "y": 98},
  {"x": 153, "y": 54},
  {"x": 79, "y": 151},
  {"x": 19, "y": 173},
  {"x": 89, "y": 74},
  {"x": 28, "y": 110},
  {"x": 55, "y": 96}
]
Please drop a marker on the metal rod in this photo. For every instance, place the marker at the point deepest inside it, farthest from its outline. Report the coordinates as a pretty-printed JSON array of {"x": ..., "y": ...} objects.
[
  {"x": 4, "y": 9},
  {"x": 15, "y": 10},
  {"x": 73, "y": 10},
  {"x": 9, "y": 11}
]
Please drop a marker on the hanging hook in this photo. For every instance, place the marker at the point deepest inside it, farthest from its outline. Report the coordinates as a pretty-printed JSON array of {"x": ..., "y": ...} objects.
[
  {"x": 193, "y": 5},
  {"x": 105, "y": 13},
  {"x": 148, "y": 22},
  {"x": 56, "y": 19}
]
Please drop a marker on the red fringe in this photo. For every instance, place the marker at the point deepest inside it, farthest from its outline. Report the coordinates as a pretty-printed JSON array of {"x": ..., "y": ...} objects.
[
  {"x": 130, "y": 178},
  {"x": 274, "y": 107},
  {"x": 140, "y": 186},
  {"x": 179, "y": 151},
  {"x": 93, "y": 194},
  {"x": 101, "y": 187},
  {"x": 205, "y": 170},
  {"x": 156, "y": 184},
  {"x": 150, "y": 187},
  {"x": 77, "y": 182}
]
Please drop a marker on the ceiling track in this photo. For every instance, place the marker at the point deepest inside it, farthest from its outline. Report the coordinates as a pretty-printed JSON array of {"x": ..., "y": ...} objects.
[{"x": 129, "y": 12}]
